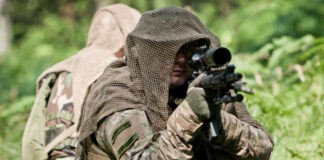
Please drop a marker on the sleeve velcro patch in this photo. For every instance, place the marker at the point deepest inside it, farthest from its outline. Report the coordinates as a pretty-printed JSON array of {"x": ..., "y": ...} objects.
[
  {"x": 127, "y": 144},
  {"x": 118, "y": 130}
]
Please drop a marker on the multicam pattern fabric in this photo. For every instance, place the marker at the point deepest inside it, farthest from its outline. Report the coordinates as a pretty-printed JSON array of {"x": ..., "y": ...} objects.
[
  {"x": 164, "y": 145},
  {"x": 238, "y": 140},
  {"x": 242, "y": 140},
  {"x": 59, "y": 116}
]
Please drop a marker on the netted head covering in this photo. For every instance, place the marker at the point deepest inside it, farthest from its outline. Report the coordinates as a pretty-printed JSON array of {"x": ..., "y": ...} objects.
[{"x": 152, "y": 48}]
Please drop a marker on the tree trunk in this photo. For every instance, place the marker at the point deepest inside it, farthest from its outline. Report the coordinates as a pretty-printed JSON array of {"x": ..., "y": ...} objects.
[{"x": 5, "y": 28}]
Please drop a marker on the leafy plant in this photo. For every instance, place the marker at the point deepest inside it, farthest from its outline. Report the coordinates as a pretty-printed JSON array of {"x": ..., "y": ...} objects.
[{"x": 289, "y": 106}]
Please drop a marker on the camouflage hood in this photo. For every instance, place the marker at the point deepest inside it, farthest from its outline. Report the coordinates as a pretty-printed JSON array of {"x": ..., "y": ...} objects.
[{"x": 152, "y": 48}]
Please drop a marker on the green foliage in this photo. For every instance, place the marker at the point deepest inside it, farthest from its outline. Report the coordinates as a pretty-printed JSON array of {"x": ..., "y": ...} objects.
[
  {"x": 43, "y": 45},
  {"x": 291, "y": 109},
  {"x": 273, "y": 40},
  {"x": 248, "y": 25},
  {"x": 44, "y": 32},
  {"x": 12, "y": 120}
]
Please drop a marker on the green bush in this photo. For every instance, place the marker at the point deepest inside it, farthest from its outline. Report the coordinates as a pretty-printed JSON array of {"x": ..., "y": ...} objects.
[{"x": 289, "y": 106}]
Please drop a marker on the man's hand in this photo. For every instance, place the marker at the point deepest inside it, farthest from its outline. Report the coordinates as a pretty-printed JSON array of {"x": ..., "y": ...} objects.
[{"x": 203, "y": 108}]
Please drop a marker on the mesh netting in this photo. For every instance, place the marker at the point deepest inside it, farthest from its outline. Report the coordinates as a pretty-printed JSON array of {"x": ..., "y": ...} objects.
[{"x": 152, "y": 49}]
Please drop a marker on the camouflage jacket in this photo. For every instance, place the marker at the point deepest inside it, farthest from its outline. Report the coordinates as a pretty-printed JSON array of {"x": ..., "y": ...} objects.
[
  {"x": 51, "y": 115},
  {"x": 127, "y": 135},
  {"x": 60, "y": 116}
]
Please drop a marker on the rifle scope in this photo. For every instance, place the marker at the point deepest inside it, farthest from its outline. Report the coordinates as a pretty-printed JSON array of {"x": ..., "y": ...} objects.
[{"x": 213, "y": 57}]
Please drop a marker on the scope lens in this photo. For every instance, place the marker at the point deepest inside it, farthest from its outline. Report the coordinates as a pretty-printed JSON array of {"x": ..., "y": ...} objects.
[{"x": 222, "y": 56}]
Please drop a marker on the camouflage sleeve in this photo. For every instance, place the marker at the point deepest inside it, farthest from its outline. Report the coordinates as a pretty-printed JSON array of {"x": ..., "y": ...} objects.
[
  {"x": 33, "y": 143},
  {"x": 59, "y": 117},
  {"x": 127, "y": 135},
  {"x": 242, "y": 140}
]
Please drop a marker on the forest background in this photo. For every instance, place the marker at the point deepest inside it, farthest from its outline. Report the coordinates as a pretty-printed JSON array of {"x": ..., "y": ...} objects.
[{"x": 277, "y": 44}]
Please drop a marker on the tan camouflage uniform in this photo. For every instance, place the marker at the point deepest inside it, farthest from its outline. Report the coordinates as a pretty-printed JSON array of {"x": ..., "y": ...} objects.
[
  {"x": 127, "y": 135},
  {"x": 53, "y": 107},
  {"x": 59, "y": 116}
]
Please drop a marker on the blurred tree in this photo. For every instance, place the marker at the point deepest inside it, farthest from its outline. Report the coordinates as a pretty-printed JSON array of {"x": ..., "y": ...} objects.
[
  {"x": 28, "y": 14},
  {"x": 253, "y": 23},
  {"x": 5, "y": 28}
]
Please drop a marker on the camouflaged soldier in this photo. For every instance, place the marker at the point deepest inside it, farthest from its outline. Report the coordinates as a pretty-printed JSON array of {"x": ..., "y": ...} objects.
[
  {"x": 140, "y": 109},
  {"x": 51, "y": 131}
]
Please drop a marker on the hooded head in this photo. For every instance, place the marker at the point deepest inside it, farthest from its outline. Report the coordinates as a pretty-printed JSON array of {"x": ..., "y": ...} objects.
[
  {"x": 151, "y": 51},
  {"x": 106, "y": 37},
  {"x": 111, "y": 25}
]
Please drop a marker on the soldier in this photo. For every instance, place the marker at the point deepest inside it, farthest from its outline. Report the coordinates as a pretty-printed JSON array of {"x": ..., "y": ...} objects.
[
  {"x": 51, "y": 131},
  {"x": 143, "y": 108}
]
